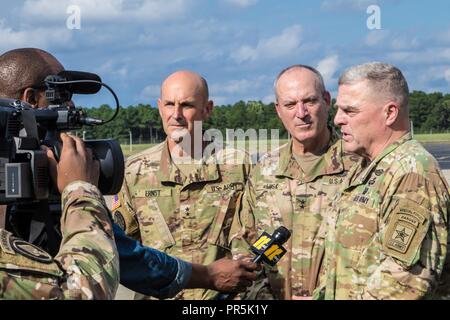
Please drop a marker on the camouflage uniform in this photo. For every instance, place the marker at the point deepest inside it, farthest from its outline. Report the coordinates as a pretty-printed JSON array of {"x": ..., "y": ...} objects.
[
  {"x": 186, "y": 216},
  {"x": 387, "y": 229},
  {"x": 280, "y": 193},
  {"x": 87, "y": 265}
]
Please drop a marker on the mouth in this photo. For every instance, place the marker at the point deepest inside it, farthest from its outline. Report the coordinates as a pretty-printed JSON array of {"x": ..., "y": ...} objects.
[
  {"x": 303, "y": 125},
  {"x": 345, "y": 136}
]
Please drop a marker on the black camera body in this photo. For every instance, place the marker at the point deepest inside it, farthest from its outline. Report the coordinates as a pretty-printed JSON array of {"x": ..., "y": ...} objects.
[
  {"x": 34, "y": 203},
  {"x": 24, "y": 168}
]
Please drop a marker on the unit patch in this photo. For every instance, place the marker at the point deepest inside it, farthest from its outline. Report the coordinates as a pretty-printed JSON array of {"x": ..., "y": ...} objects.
[
  {"x": 30, "y": 251},
  {"x": 406, "y": 230},
  {"x": 119, "y": 219}
]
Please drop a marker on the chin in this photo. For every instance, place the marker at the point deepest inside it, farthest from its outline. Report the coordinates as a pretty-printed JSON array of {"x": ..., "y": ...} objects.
[
  {"x": 304, "y": 136},
  {"x": 349, "y": 147}
]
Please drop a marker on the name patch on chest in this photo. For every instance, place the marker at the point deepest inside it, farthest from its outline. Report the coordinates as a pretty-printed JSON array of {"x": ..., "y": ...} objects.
[
  {"x": 234, "y": 186},
  {"x": 335, "y": 180},
  {"x": 360, "y": 198},
  {"x": 153, "y": 193},
  {"x": 271, "y": 186}
]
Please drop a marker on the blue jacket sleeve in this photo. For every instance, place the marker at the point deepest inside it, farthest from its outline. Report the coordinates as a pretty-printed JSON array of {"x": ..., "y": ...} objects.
[{"x": 149, "y": 271}]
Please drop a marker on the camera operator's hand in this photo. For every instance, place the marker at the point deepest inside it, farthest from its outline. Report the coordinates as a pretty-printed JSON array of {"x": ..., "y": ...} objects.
[{"x": 76, "y": 163}]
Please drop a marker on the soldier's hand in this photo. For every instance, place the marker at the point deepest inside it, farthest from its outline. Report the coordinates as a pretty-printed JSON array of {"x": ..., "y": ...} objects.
[
  {"x": 235, "y": 275},
  {"x": 76, "y": 163}
]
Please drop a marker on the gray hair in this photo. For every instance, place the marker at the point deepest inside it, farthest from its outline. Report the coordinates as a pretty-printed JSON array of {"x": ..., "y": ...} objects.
[
  {"x": 321, "y": 86},
  {"x": 383, "y": 78}
]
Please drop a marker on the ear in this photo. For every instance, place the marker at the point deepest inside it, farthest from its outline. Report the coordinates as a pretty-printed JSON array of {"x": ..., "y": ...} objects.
[
  {"x": 391, "y": 111},
  {"x": 31, "y": 96},
  {"x": 208, "y": 109},
  {"x": 277, "y": 108}
]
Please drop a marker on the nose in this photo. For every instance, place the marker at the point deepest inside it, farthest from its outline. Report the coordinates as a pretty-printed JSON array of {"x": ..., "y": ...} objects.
[
  {"x": 302, "y": 111},
  {"x": 177, "y": 112},
  {"x": 339, "y": 118}
]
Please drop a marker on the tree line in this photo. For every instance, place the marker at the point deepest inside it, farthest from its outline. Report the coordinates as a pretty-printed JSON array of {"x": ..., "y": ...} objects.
[{"x": 429, "y": 113}]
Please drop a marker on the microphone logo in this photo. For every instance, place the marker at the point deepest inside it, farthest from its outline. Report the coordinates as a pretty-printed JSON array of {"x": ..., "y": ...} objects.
[{"x": 269, "y": 248}]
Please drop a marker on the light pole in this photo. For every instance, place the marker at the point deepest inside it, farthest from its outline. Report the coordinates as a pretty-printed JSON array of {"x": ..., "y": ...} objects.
[{"x": 131, "y": 141}]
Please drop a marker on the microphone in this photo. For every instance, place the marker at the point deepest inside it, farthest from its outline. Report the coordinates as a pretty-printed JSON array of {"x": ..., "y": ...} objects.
[
  {"x": 268, "y": 249},
  {"x": 76, "y": 81}
]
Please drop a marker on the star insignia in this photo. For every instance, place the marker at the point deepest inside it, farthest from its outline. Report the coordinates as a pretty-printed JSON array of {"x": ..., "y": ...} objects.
[{"x": 401, "y": 234}]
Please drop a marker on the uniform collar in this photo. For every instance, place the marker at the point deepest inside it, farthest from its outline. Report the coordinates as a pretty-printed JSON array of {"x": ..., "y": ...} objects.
[
  {"x": 207, "y": 170},
  {"x": 371, "y": 167},
  {"x": 331, "y": 162}
]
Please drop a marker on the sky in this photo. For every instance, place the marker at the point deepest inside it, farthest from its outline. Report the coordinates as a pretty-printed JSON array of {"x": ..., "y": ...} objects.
[{"x": 239, "y": 46}]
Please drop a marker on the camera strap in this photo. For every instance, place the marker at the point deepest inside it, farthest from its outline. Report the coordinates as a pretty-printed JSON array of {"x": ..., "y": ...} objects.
[{"x": 43, "y": 229}]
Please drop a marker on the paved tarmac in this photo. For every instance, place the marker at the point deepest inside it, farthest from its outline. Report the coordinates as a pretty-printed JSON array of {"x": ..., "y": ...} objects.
[{"x": 441, "y": 151}]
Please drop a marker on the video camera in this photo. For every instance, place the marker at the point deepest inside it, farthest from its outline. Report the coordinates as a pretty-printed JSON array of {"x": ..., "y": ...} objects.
[{"x": 24, "y": 174}]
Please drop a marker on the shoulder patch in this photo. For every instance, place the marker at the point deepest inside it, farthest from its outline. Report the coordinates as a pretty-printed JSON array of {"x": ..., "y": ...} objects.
[
  {"x": 406, "y": 230},
  {"x": 115, "y": 202},
  {"x": 30, "y": 251},
  {"x": 4, "y": 242},
  {"x": 119, "y": 219}
]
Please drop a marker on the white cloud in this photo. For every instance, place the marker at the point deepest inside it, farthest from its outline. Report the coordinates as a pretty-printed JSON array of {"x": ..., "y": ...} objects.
[
  {"x": 110, "y": 10},
  {"x": 281, "y": 45},
  {"x": 427, "y": 56},
  {"x": 429, "y": 78},
  {"x": 239, "y": 89},
  {"x": 376, "y": 37},
  {"x": 150, "y": 92},
  {"x": 242, "y": 3},
  {"x": 36, "y": 37},
  {"x": 347, "y": 4},
  {"x": 220, "y": 100},
  {"x": 395, "y": 41},
  {"x": 268, "y": 99},
  {"x": 404, "y": 43},
  {"x": 447, "y": 75},
  {"x": 444, "y": 36},
  {"x": 113, "y": 68},
  {"x": 328, "y": 67},
  {"x": 234, "y": 86},
  {"x": 239, "y": 86}
]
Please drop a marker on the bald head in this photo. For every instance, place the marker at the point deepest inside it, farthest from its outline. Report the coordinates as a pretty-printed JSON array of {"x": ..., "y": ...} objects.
[
  {"x": 299, "y": 71},
  {"x": 25, "y": 68},
  {"x": 187, "y": 81},
  {"x": 184, "y": 101}
]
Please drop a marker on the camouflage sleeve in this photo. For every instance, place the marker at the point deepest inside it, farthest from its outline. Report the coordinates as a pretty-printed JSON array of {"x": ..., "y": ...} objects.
[
  {"x": 244, "y": 234},
  {"x": 243, "y": 231},
  {"x": 88, "y": 253},
  {"x": 123, "y": 212},
  {"x": 413, "y": 231}
]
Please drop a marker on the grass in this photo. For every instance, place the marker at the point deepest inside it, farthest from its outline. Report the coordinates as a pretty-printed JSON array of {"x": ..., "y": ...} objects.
[
  {"x": 136, "y": 148},
  {"x": 140, "y": 147},
  {"x": 438, "y": 137}
]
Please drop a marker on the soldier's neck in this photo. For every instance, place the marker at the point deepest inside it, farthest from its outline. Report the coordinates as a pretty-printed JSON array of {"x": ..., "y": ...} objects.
[
  {"x": 180, "y": 150},
  {"x": 312, "y": 147},
  {"x": 384, "y": 142}
]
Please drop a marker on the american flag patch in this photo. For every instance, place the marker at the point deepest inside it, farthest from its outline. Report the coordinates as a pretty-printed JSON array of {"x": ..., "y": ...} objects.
[{"x": 115, "y": 202}]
